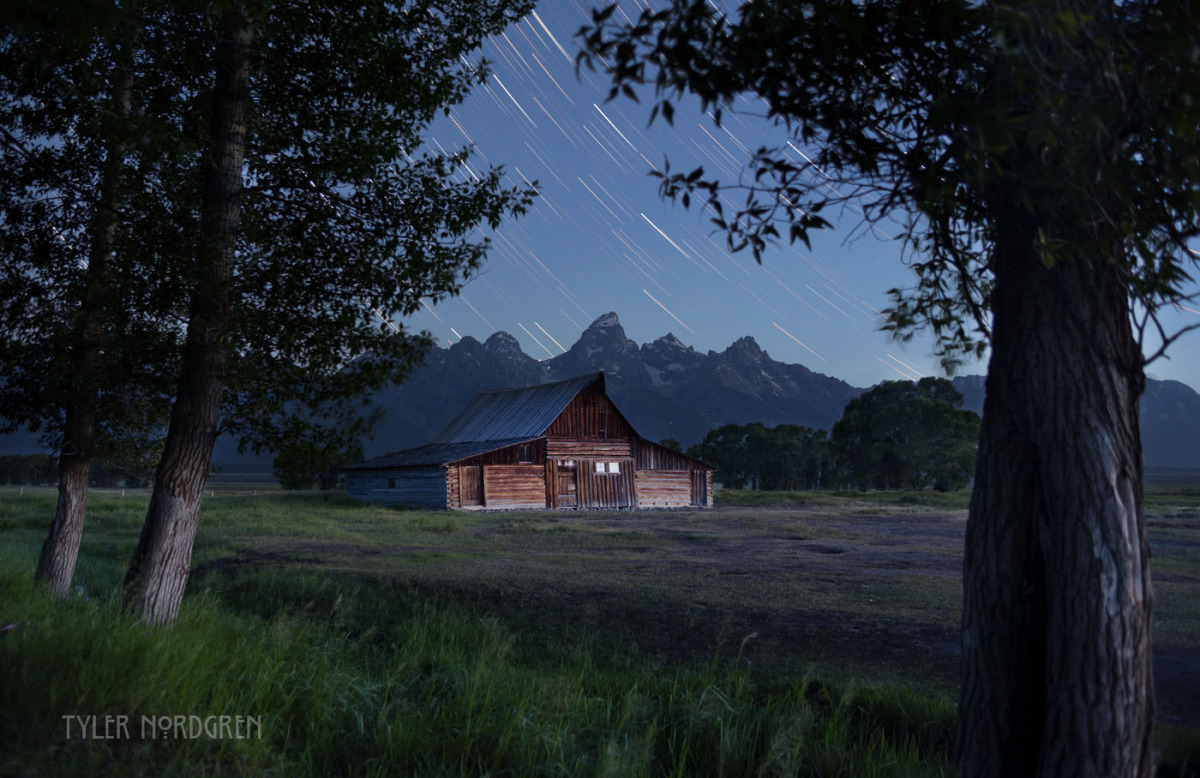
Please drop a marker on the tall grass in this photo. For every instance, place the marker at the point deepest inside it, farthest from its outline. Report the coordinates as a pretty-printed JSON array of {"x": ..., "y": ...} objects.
[
  {"x": 749, "y": 498},
  {"x": 363, "y": 673},
  {"x": 347, "y": 680}
]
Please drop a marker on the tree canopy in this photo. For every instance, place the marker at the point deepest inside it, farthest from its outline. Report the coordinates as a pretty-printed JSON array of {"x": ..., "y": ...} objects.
[
  {"x": 901, "y": 435},
  {"x": 753, "y": 456},
  {"x": 228, "y": 207},
  {"x": 85, "y": 237},
  {"x": 897, "y": 435},
  {"x": 911, "y": 114},
  {"x": 1040, "y": 160},
  {"x": 348, "y": 222}
]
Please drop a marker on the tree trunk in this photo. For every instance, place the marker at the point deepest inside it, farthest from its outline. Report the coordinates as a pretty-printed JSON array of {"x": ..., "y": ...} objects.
[
  {"x": 158, "y": 572},
  {"x": 56, "y": 564},
  {"x": 60, "y": 549},
  {"x": 1056, "y": 657}
]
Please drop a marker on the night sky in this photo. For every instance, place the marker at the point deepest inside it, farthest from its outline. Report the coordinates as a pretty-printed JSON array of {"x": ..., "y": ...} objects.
[{"x": 599, "y": 238}]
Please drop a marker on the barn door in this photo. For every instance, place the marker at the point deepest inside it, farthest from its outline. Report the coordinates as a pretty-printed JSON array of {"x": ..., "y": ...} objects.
[
  {"x": 567, "y": 486},
  {"x": 699, "y": 488},
  {"x": 470, "y": 485}
]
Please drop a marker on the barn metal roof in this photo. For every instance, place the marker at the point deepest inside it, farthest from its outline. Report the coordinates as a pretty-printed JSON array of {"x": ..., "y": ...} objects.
[
  {"x": 507, "y": 414},
  {"x": 434, "y": 454},
  {"x": 493, "y": 420}
]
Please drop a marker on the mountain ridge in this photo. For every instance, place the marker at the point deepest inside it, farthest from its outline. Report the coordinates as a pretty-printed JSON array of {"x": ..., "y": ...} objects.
[{"x": 667, "y": 389}]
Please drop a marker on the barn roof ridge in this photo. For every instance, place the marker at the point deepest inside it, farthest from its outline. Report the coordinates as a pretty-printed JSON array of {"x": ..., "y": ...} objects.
[
  {"x": 521, "y": 412},
  {"x": 592, "y": 375}
]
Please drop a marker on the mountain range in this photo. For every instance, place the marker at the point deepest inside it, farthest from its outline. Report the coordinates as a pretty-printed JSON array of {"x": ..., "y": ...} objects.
[{"x": 667, "y": 389}]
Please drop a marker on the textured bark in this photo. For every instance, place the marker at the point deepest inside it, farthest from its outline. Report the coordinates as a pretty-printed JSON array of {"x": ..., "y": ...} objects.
[
  {"x": 158, "y": 572},
  {"x": 1056, "y": 605},
  {"x": 60, "y": 549},
  {"x": 56, "y": 564}
]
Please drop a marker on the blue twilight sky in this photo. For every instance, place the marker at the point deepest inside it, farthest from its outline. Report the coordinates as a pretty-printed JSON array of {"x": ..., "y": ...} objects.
[{"x": 599, "y": 238}]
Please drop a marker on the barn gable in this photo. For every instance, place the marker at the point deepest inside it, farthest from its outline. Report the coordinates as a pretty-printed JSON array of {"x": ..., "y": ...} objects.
[
  {"x": 515, "y": 413},
  {"x": 558, "y": 445}
]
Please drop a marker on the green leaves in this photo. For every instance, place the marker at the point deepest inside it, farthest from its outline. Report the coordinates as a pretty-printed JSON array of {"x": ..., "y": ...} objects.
[
  {"x": 343, "y": 221},
  {"x": 901, "y": 435},
  {"x": 932, "y": 114},
  {"x": 753, "y": 456}
]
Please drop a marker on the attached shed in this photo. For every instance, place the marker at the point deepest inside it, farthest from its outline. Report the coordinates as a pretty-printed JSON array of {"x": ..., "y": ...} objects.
[{"x": 558, "y": 445}]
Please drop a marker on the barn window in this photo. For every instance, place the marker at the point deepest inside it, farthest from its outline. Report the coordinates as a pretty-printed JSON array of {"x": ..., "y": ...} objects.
[
  {"x": 525, "y": 453},
  {"x": 600, "y": 467},
  {"x": 602, "y": 423},
  {"x": 391, "y": 483},
  {"x": 614, "y": 467}
]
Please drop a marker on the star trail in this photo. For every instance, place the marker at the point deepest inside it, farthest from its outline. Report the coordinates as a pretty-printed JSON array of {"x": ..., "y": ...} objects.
[{"x": 600, "y": 239}]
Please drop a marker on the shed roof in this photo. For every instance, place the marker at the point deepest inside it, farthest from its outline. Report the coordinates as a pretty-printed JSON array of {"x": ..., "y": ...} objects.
[
  {"x": 507, "y": 414},
  {"x": 434, "y": 454}
]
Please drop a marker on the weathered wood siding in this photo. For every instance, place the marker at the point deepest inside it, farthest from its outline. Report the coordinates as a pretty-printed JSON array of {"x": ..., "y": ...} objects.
[
  {"x": 664, "y": 488},
  {"x": 651, "y": 456},
  {"x": 514, "y": 486},
  {"x": 702, "y": 481},
  {"x": 511, "y": 455},
  {"x": 668, "y": 478},
  {"x": 590, "y": 415},
  {"x": 606, "y": 490},
  {"x": 423, "y": 487},
  {"x": 559, "y": 448}
]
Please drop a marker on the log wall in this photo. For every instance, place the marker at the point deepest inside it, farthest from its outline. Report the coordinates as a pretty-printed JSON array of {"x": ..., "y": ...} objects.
[
  {"x": 514, "y": 486},
  {"x": 560, "y": 448},
  {"x": 409, "y": 487},
  {"x": 452, "y": 487},
  {"x": 664, "y": 488}
]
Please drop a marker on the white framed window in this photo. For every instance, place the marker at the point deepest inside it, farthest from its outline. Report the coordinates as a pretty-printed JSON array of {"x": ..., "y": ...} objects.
[
  {"x": 600, "y": 467},
  {"x": 614, "y": 467}
]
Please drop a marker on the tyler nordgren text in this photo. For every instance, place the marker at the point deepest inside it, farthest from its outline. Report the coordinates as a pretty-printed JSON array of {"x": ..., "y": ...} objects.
[{"x": 177, "y": 727}]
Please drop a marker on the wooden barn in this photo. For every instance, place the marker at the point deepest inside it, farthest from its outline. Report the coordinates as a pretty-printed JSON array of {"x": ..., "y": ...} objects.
[{"x": 559, "y": 445}]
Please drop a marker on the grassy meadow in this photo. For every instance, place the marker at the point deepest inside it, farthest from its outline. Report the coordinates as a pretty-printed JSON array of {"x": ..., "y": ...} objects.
[{"x": 797, "y": 634}]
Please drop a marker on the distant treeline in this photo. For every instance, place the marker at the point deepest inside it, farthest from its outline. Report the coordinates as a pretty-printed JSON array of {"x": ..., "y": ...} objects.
[
  {"x": 313, "y": 465},
  {"x": 27, "y": 469},
  {"x": 39, "y": 469},
  {"x": 898, "y": 435},
  {"x": 295, "y": 468}
]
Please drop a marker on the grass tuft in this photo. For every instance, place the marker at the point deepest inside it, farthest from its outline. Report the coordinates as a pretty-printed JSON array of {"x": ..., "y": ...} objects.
[
  {"x": 348, "y": 679},
  {"x": 365, "y": 640}
]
